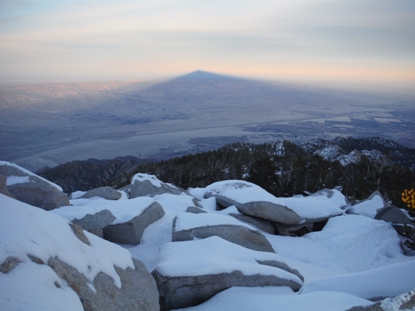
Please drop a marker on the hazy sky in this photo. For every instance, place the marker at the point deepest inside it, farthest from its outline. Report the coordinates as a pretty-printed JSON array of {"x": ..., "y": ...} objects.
[{"x": 328, "y": 40}]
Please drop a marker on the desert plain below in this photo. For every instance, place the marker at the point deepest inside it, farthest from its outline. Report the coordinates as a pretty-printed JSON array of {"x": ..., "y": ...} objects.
[{"x": 49, "y": 124}]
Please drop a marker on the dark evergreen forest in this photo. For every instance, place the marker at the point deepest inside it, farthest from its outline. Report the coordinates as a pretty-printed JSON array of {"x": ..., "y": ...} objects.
[{"x": 282, "y": 168}]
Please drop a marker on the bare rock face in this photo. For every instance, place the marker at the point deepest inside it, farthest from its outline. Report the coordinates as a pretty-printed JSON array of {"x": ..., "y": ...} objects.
[
  {"x": 130, "y": 232},
  {"x": 94, "y": 223},
  {"x": 107, "y": 193},
  {"x": 262, "y": 224},
  {"x": 32, "y": 189},
  {"x": 195, "y": 210},
  {"x": 393, "y": 215},
  {"x": 138, "y": 292},
  {"x": 270, "y": 211},
  {"x": 9, "y": 264},
  {"x": 3, "y": 187}
]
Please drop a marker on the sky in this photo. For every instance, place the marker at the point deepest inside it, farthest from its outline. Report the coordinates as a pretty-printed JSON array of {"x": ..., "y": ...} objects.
[{"x": 348, "y": 41}]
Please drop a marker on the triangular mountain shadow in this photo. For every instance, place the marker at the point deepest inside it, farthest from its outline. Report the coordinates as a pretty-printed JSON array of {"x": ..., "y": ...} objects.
[{"x": 204, "y": 75}]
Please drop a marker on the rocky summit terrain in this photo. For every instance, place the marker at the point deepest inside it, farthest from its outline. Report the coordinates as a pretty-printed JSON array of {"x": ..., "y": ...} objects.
[{"x": 231, "y": 245}]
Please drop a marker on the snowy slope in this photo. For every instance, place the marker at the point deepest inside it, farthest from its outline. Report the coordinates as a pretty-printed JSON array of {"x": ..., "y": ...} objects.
[{"x": 353, "y": 259}]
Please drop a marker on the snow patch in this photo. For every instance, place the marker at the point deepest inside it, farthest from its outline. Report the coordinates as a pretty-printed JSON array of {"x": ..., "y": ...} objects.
[{"x": 12, "y": 180}]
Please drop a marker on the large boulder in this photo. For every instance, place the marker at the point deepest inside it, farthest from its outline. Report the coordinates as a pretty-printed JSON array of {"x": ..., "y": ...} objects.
[
  {"x": 64, "y": 267},
  {"x": 131, "y": 216},
  {"x": 138, "y": 291},
  {"x": 131, "y": 230},
  {"x": 96, "y": 220},
  {"x": 94, "y": 223},
  {"x": 187, "y": 226},
  {"x": 252, "y": 200},
  {"x": 189, "y": 273},
  {"x": 32, "y": 189},
  {"x": 260, "y": 223},
  {"x": 149, "y": 185},
  {"x": 106, "y": 192}
]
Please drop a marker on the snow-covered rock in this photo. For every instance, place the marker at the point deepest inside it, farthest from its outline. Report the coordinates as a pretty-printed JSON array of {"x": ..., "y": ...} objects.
[
  {"x": 353, "y": 256},
  {"x": 95, "y": 223},
  {"x": 149, "y": 185},
  {"x": 259, "y": 223},
  {"x": 252, "y": 200},
  {"x": 130, "y": 231},
  {"x": 189, "y": 273},
  {"x": 131, "y": 216},
  {"x": 106, "y": 192},
  {"x": 32, "y": 189},
  {"x": 188, "y": 226},
  {"x": 50, "y": 268}
]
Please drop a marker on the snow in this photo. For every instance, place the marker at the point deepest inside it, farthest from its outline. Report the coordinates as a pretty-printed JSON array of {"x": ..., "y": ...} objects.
[
  {"x": 29, "y": 173},
  {"x": 77, "y": 194},
  {"x": 347, "y": 244},
  {"x": 12, "y": 180},
  {"x": 323, "y": 204},
  {"x": 278, "y": 298},
  {"x": 159, "y": 232},
  {"x": 40, "y": 293},
  {"x": 352, "y": 259},
  {"x": 369, "y": 284},
  {"x": 190, "y": 258},
  {"x": 368, "y": 207},
  {"x": 123, "y": 210}
]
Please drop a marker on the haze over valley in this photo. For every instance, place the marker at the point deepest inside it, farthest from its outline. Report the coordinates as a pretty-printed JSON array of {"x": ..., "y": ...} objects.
[{"x": 48, "y": 124}]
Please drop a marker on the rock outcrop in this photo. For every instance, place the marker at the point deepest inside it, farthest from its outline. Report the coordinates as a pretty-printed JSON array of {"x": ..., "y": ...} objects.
[
  {"x": 130, "y": 231},
  {"x": 138, "y": 291},
  {"x": 106, "y": 192},
  {"x": 59, "y": 258},
  {"x": 230, "y": 265},
  {"x": 148, "y": 185},
  {"x": 95, "y": 223},
  {"x": 32, "y": 189},
  {"x": 207, "y": 225}
]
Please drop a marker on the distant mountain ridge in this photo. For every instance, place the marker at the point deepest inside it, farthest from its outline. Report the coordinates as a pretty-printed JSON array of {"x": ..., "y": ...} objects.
[
  {"x": 204, "y": 75},
  {"x": 282, "y": 168}
]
